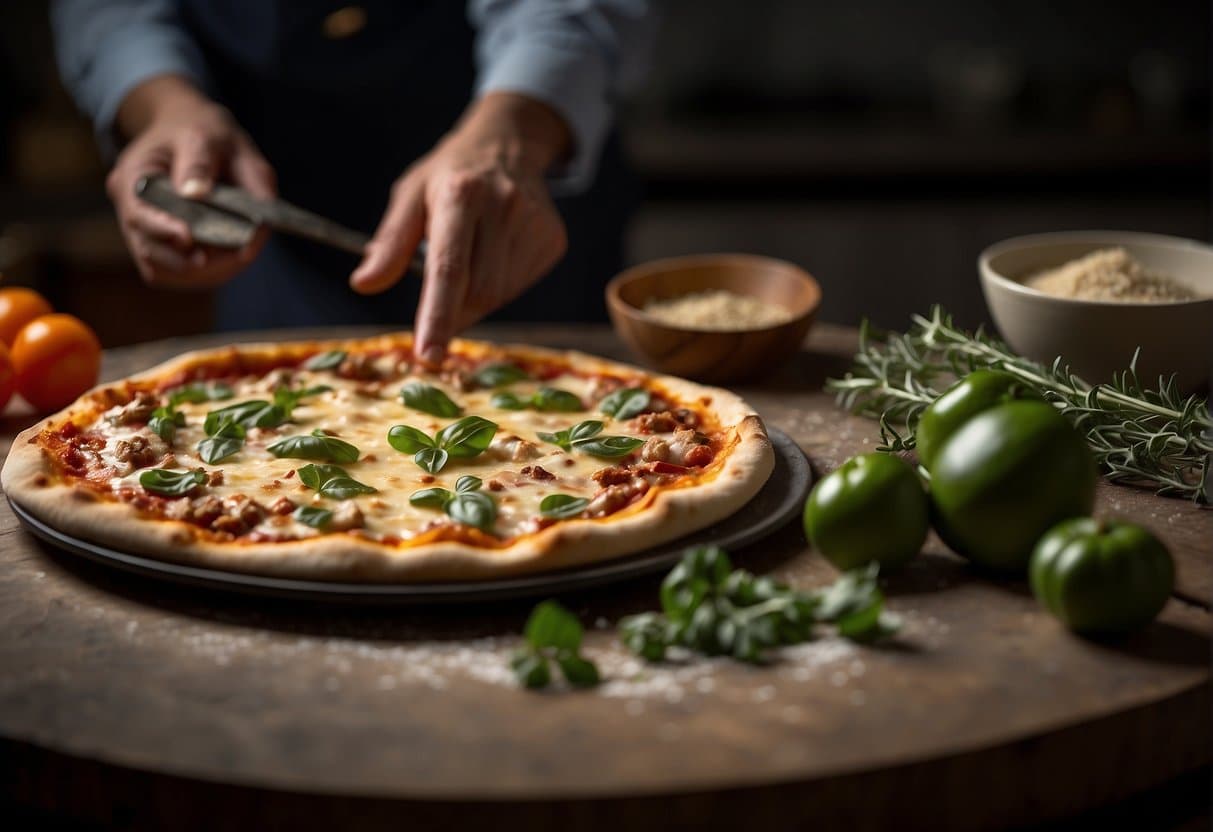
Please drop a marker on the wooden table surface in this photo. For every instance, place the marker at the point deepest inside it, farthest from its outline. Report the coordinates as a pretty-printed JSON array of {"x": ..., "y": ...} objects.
[{"x": 133, "y": 702}]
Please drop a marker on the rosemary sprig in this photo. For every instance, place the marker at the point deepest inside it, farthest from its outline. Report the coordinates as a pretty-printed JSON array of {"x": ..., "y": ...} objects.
[{"x": 1151, "y": 437}]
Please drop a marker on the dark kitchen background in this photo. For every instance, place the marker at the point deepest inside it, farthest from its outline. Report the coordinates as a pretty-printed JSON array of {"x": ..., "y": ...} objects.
[{"x": 877, "y": 143}]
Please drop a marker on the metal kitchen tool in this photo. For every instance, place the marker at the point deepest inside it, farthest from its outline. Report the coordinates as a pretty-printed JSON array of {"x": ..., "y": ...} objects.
[{"x": 229, "y": 216}]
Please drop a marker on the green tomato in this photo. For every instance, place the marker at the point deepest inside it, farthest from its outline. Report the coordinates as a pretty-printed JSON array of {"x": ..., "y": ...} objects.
[
  {"x": 1006, "y": 477},
  {"x": 977, "y": 392},
  {"x": 1101, "y": 577},
  {"x": 873, "y": 508}
]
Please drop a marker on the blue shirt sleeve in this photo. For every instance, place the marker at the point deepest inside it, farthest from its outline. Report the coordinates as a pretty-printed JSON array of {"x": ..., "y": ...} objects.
[
  {"x": 573, "y": 55},
  {"x": 105, "y": 48}
]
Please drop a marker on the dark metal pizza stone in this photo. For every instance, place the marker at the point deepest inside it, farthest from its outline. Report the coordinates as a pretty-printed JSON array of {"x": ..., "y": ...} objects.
[{"x": 780, "y": 499}]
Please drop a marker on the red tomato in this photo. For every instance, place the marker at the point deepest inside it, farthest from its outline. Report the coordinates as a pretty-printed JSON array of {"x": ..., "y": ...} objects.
[
  {"x": 19, "y": 306},
  {"x": 56, "y": 358},
  {"x": 8, "y": 379}
]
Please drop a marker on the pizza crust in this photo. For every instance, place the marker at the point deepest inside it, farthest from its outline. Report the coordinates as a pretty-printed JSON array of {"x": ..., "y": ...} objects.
[{"x": 661, "y": 516}]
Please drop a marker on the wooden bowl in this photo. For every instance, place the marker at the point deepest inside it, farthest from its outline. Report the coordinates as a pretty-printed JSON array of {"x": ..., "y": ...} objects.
[{"x": 713, "y": 355}]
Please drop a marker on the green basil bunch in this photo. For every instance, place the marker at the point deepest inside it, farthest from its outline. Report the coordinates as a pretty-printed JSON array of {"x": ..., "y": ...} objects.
[{"x": 710, "y": 608}]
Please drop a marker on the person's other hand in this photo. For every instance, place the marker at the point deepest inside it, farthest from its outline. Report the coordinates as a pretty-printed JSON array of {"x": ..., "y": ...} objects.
[
  {"x": 177, "y": 131},
  {"x": 481, "y": 201}
]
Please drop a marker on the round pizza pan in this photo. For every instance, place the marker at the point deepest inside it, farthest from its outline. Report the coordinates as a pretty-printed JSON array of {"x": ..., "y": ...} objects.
[{"x": 780, "y": 499}]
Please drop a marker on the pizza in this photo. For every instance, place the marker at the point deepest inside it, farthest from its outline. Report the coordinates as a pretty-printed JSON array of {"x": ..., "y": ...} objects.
[{"x": 352, "y": 460}]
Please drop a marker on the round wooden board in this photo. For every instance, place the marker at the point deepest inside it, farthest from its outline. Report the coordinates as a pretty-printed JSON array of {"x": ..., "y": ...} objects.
[{"x": 151, "y": 706}]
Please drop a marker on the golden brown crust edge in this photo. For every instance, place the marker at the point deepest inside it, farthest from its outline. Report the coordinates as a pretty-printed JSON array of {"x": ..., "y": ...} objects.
[{"x": 670, "y": 515}]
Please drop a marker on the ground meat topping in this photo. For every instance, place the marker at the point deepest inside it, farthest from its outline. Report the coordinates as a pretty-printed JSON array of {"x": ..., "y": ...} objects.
[
  {"x": 138, "y": 451},
  {"x": 282, "y": 506},
  {"x": 655, "y": 449},
  {"x": 137, "y": 411},
  {"x": 514, "y": 448},
  {"x": 537, "y": 472},
  {"x": 615, "y": 497}
]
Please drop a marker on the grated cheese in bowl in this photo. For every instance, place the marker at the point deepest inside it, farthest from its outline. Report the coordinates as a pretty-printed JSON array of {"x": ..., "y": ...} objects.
[
  {"x": 718, "y": 310},
  {"x": 1110, "y": 274}
]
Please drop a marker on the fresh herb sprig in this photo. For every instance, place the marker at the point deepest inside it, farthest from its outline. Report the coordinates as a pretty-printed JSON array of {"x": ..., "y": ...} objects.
[
  {"x": 164, "y": 422},
  {"x": 1153, "y": 437},
  {"x": 710, "y": 608},
  {"x": 469, "y": 437},
  {"x": 223, "y": 440},
  {"x": 586, "y": 437},
  {"x": 553, "y": 634},
  {"x": 468, "y": 504},
  {"x": 197, "y": 392},
  {"x": 545, "y": 400},
  {"x": 325, "y": 360}
]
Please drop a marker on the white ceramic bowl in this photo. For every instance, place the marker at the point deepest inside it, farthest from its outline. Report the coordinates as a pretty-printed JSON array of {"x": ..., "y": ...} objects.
[{"x": 1097, "y": 338}]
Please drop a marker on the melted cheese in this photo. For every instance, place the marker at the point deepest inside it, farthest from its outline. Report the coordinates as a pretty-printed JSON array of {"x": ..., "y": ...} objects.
[{"x": 350, "y": 414}]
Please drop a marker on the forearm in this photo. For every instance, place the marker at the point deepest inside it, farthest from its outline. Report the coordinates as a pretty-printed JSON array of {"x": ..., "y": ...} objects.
[{"x": 522, "y": 134}]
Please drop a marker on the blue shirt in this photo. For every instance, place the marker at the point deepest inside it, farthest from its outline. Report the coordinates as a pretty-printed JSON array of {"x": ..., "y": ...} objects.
[{"x": 574, "y": 55}]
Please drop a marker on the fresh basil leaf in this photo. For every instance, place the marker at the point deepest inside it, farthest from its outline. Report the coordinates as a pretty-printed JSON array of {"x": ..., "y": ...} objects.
[
  {"x": 315, "y": 476},
  {"x": 625, "y": 403},
  {"x": 164, "y": 422},
  {"x": 467, "y": 483},
  {"x": 199, "y": 391},
  {"x": 407, "y": 439},
  {"x": 325, "y": 360},
  {"x": 562, "y": 506},
  {"x": 551, "y": 625},
  {"x": 315, "y": 446},
  {"x": 429, "y": 399},
  {"x": 313, "y": 516},
  {"x": 578, "y": 672},
  {"x": 531, "y": 669},
  {"x": 473, "y": 508},
  {"x": 431, "y": 498},
  {"x": 218, "y": 448},
  {"x": 332, "y": 481},
  {"x": 561, "y": 438},
  {"x": 468, "y": 437},
  {"x": 288, "y": 399},
  {"x": 431, "y": 459},
  {"x": 507, "y": 401},
  {"x": 252, "y": 414},
  {"x": 168, "y": 483},
  {"x": 499, "y": 375},
  {"x": 552, "y": 400},
  {"x": 343, "y": 488},
  {"x": 585, "y": 430},
  {"x": 609, "y": 447}
]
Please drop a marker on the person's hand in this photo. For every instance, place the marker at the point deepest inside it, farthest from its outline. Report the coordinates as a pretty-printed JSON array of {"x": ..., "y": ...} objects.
[
  {"x": 481, "y": 201},
  {"x": 175, "y": 130}
]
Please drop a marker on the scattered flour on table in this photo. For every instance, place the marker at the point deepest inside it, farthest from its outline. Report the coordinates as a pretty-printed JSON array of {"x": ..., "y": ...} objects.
[{"x": 825, "y": 663}]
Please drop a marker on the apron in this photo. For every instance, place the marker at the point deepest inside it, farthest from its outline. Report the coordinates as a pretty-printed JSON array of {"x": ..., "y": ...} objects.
[{"x": 340, "y": 118}]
